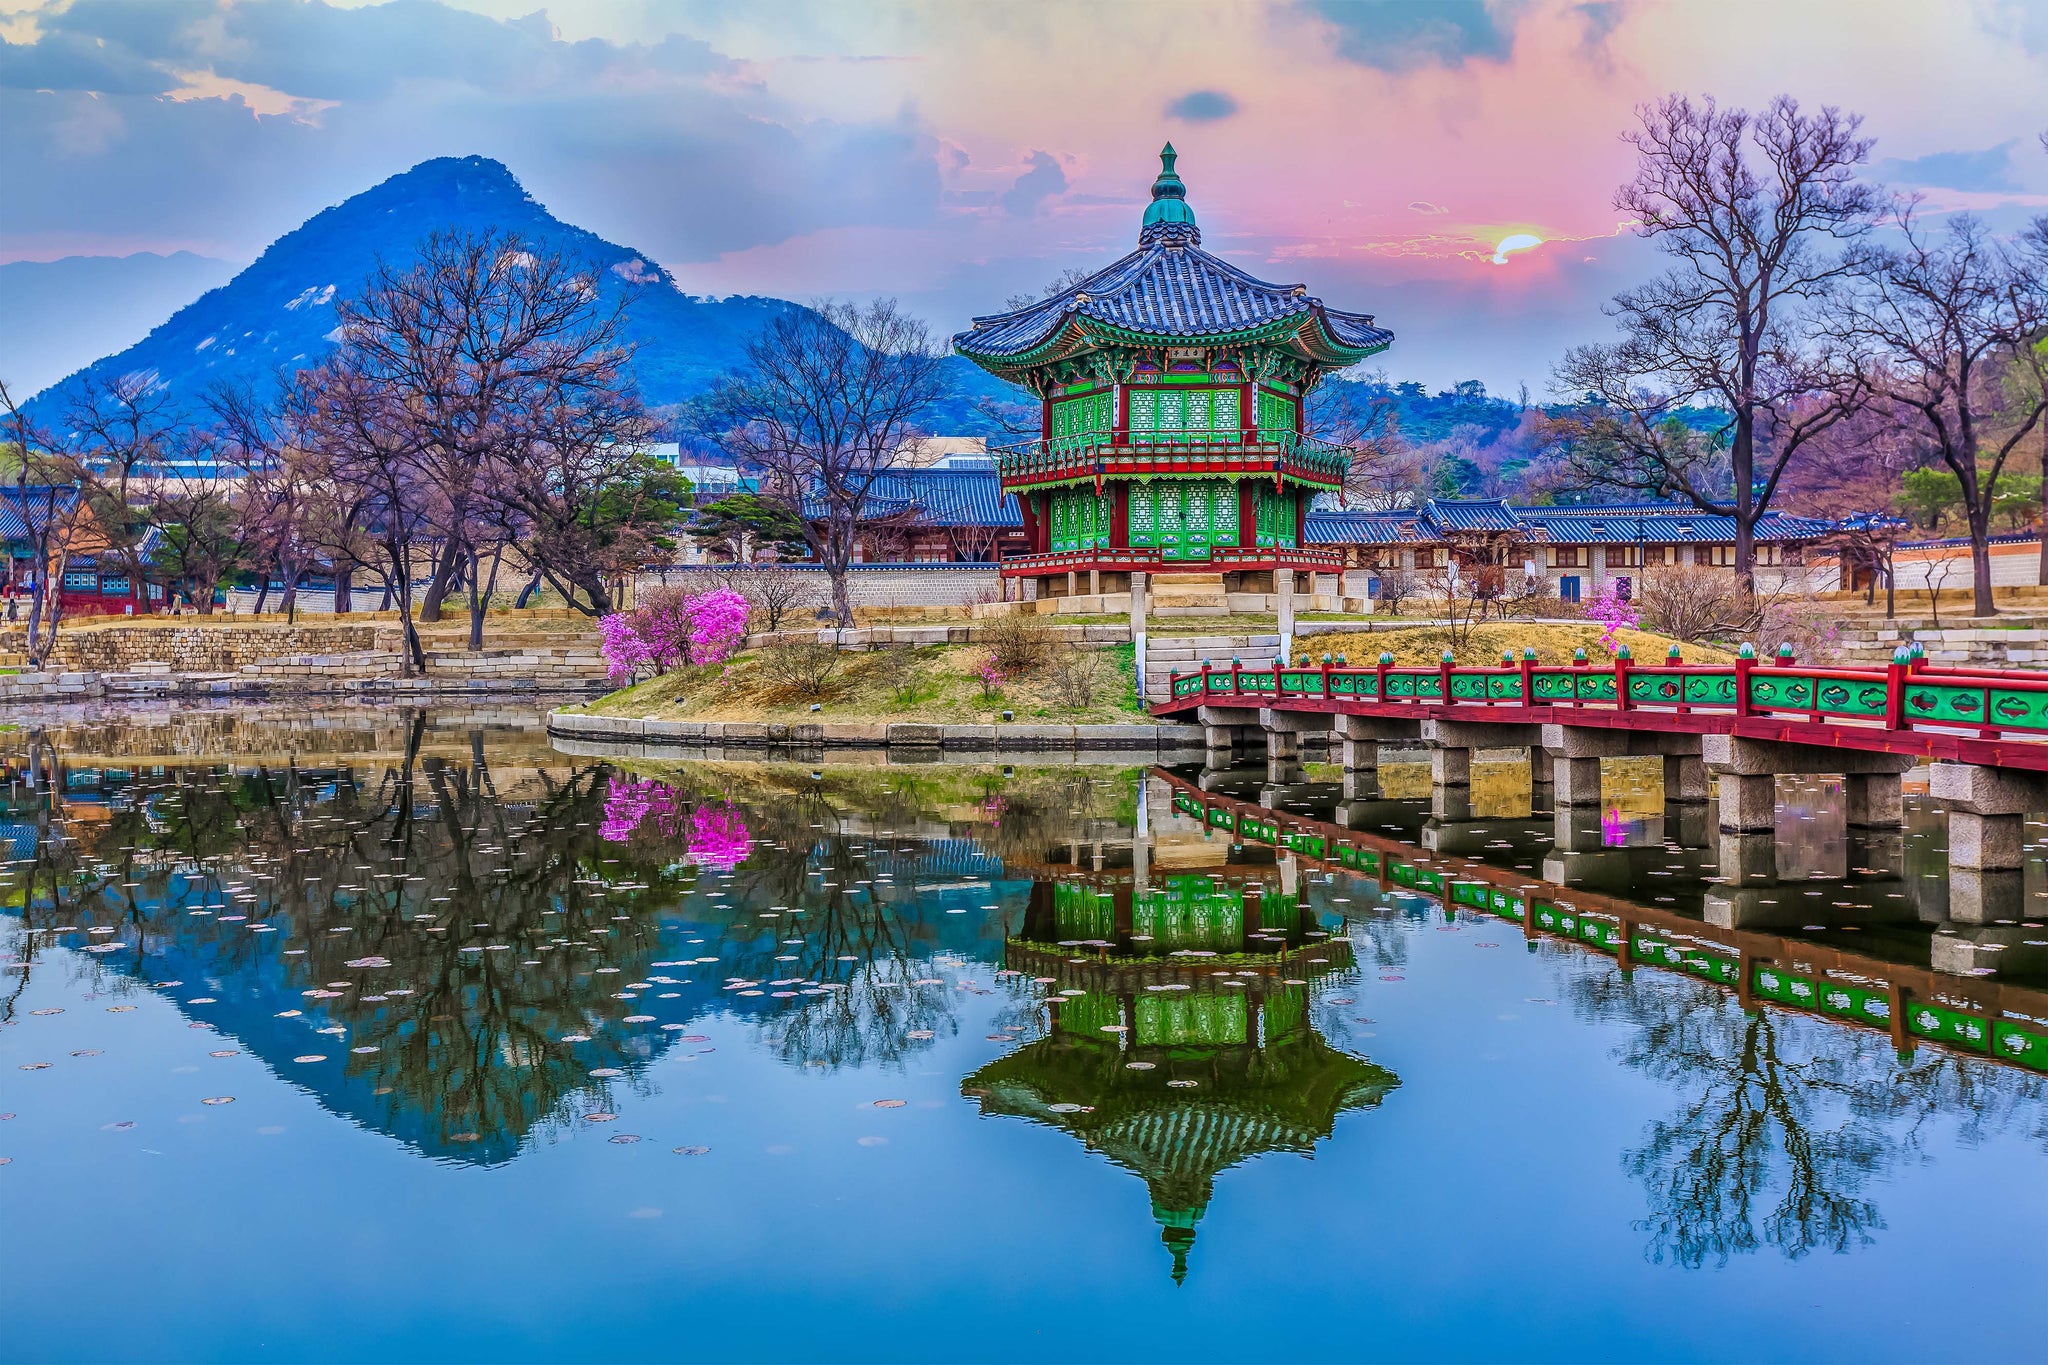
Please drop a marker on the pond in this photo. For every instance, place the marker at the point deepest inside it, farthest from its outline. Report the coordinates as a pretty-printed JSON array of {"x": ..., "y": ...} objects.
[{"x": 341, "y": 1034}]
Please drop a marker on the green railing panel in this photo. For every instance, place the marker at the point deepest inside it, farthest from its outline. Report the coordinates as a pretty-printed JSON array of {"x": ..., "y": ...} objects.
[
  {"x": 1312, "y": 845},
  {"x": 2026, "y": 1044},
  {"x": 1222, "y": 819},
  {"x": 1432, "y": 882},
  {"x": 1472, "y": 685},
  {"x": 1400, "y": 685},
  {"x": 1354, "y": 685},
  {"x": 1945, "y": 702},
  {"x": 1602, "y": 934},
  {"x": 1264, "y": 831},
  {"x": 1595, "y": 686},
  {"x": 1504, "y": 686},
  {"x": 1255, "y": 682},
  {"x": 1935, "y": 701},
  {"x": 1716, "y": 689},
  {"x": 1430, "y": 685},
  {"x": 1403, "y": 874},
  {"x": 1945, "y": 1025},
  {"x": 1785, "y": 988},
  {"x": 1856, "y": 1002},
  {"x": 1187, "y": 805},
  {"x": 1555, "y": 687},
  {"x": 1794, "y": 693},
  {"x": 1470, "y": 893},
  {"x": 2019, "y": 710},
  {"x": 1680, "y": 957},
  {"x": 1846, "y": 697}
]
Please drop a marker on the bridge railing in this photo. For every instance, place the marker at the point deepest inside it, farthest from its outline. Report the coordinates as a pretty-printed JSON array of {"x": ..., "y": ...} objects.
[{"x": 1907, "y": 694}]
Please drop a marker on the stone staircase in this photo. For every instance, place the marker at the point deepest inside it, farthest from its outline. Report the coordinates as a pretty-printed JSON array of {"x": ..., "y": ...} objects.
[{"x": 1168, "y": 654}]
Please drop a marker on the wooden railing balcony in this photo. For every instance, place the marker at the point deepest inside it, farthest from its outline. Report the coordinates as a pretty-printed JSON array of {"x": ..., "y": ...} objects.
[{"x": 1064, "y": 459}]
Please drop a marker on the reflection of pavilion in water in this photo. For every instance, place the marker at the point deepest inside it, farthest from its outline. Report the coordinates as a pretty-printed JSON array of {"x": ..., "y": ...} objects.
[{"x": 1180, "y": 1041}]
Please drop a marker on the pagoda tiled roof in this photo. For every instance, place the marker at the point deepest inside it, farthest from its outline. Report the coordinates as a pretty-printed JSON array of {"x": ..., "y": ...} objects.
[{"x": 1172, "y": 292}]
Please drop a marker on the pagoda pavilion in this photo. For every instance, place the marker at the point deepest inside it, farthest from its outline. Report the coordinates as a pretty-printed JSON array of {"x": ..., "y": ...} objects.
[{"x": 1171, "y": 441}]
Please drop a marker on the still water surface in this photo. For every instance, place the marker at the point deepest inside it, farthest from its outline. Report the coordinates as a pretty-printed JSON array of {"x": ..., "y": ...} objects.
[{"x": 360, "y": 1035}]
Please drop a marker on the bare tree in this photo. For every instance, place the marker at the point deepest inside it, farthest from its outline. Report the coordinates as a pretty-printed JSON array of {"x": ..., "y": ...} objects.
[
  {"x": 1954, "y": 321},
  {"x": 1748, "y": 206},
  {"x": 47, "y": 505},
  {"x": 771, "y": 590},
  {"x": 497, "y": 347},
  {"x": 824, "y": 397}
]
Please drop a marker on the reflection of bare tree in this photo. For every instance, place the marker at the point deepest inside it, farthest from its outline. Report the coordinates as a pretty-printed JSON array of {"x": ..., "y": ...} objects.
[
  {"x": 477, "y": 931},
  {"x": 1786, "y": 1121}
]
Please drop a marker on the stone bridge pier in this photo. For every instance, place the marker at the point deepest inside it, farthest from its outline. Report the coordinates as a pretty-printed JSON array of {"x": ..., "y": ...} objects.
[
  {"x": 1362, "y": 737},
  {"x": 1987, "y": 813},
  {"x": 1572, "y": 754},
  {"x": 1747, "y": 771},
  {"x": 1225, "y": 731}
]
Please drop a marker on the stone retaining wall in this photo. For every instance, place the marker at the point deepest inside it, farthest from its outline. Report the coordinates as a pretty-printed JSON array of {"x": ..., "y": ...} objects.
[
  {"x": 617, "y": 733},
  {"x": 2013, "y": 642}
]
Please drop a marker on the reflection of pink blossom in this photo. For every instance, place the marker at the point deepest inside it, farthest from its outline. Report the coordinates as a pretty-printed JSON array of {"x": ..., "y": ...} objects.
[
  {"x": 718, "y": 837},
  {"x": 717, "y": 832},
  {"x": 1614, "y": 828}
]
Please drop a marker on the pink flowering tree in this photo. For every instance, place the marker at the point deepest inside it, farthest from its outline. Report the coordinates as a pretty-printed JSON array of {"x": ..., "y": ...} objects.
[
  {"x": 1613, "y": 613},
  {"x": 718, "y": 625},
  {"x": 671, "y": 628}
]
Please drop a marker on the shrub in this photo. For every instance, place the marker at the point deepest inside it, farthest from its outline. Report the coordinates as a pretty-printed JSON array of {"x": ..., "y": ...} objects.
[
  {"x": 803, "y": 666},
  {"x": 1017, "y": 644},
  {"x": 670, "y": 628},
  {"x": 1692, "y": 604},
  {"x": 1075, "y": 676}
]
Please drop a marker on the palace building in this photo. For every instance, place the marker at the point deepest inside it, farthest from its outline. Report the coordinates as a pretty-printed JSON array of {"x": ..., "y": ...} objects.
[{"x": 1171, "y": 438}]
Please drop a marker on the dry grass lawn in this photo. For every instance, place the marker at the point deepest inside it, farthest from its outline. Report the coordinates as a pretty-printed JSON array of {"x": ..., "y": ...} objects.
[{"x": 934, "y": 683}]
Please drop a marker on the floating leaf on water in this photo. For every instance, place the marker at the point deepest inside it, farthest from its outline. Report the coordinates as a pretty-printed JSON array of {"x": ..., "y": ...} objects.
[
  {"x": 465, "y": 1137},
  {"x": 1139, "y": 1066},
  {"x": 623, "y": 1137},
  {"x": 599, "y": 1117},
  {"x": 920, "y": 1034},
  {"x": 1391, "y": 977},
  {"x": 225, "y": 1052},
  {"x": 311, "y": 1057},
  {"x": 218, "y": 1099},
  {"x": 36, "y": 1066},
  {"x": 1064, "y": 1108},
  {"x": 889, "y": 1104},
  {"x": 606, "y": 1071},
  {"x": 1183, "y": 1085},
  {"x": 47, "y": 1011},
  {"x": 86, "y": 1052},
  {"x": 690, "y": 1151}
]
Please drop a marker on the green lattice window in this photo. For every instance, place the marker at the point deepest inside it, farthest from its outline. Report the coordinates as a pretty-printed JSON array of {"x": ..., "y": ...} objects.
[
  {"x": 1183, "y": 518},
  {"x": 1090, "y": 414},
  {"x": 1185, "y": 414},
  {"x": 1273, "y": 518},
  {"x": 1276, "y": 413}
]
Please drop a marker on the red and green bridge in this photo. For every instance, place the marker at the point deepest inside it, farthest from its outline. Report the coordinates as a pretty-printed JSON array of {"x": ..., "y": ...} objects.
[{"x": 1737, "y": 724}]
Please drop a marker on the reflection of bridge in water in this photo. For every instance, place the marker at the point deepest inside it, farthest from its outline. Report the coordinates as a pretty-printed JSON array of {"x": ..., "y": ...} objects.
[{"x": 2002, "y": 1021}]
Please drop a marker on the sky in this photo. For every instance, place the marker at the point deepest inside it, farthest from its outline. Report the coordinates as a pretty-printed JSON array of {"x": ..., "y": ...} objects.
[{"x": 1446, "y": 165}]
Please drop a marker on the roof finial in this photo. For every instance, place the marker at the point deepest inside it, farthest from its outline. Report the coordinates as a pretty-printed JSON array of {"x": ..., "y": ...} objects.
[{"x": 1168, "y": 220}]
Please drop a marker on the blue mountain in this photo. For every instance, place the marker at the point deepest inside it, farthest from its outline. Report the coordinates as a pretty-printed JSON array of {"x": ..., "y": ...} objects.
[{"x": 279, "y": 313}]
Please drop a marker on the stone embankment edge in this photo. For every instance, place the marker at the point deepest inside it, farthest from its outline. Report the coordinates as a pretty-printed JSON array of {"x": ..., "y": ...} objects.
[
  {"x": 47, "y": 687},
  {"x": 594, "y": 735}
]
